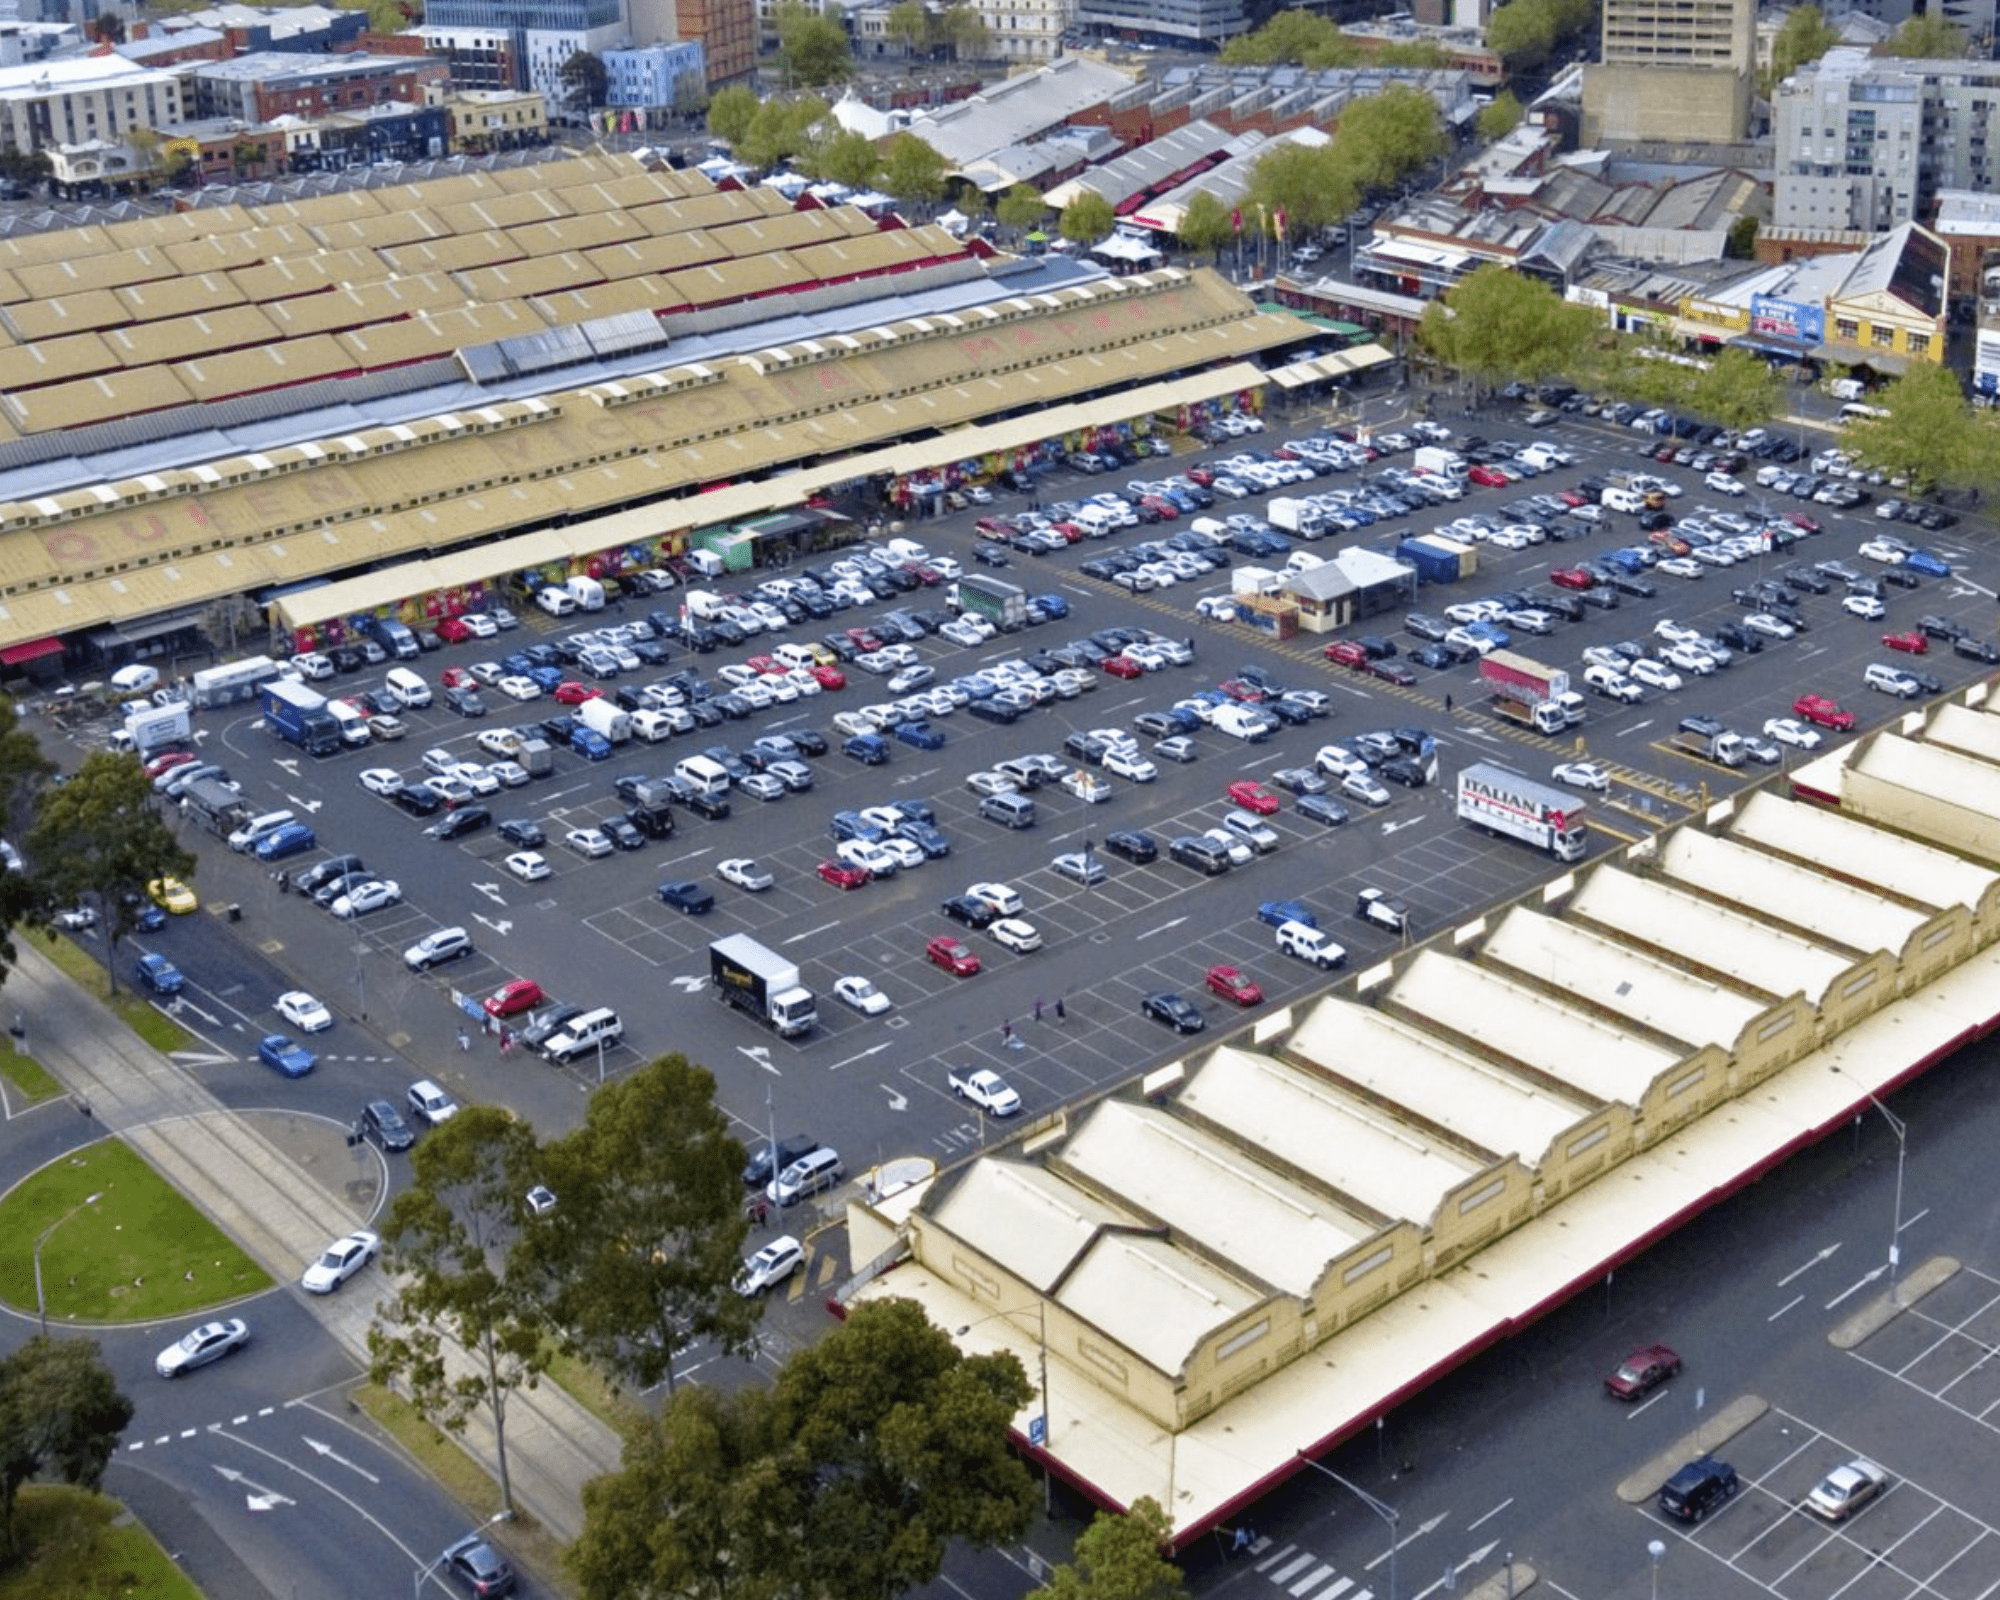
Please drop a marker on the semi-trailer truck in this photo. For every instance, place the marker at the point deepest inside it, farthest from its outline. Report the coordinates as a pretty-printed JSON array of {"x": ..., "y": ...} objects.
[
  {"x": 762, "y": 984},
  {"x": 298, "y": 715},
  {"x": 1499, "y": 801},
  {"x": 1525, "y": 691},
  {"x": 1002, "y": 604}
]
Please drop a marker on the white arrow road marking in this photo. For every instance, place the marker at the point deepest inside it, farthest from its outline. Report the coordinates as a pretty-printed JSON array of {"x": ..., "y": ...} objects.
[
  {"x": 502, "y": 927},
  {"x": 897, "y": 1102},
  {"x": 1407, "y": 1540},
  {"x": 491, "y": 891},
  {"x": 761, "y": 1055},
  {"x": 872, "y": 1050},
  {"x": 335, "y": 1456},
  {"x": 183, "y": 1003},
  {"x": 289, "y": 765},
  {"x": 307, "y": 806},
  {"x": 1397, "y": 827},
  {"x": 1809, "y": 1265},
  {"x": 256, "y": 1496},
  {"x": 689, "y": 985},
  {"x": 200, "y": 1058},
  {"x": 1163, "y": 927}
]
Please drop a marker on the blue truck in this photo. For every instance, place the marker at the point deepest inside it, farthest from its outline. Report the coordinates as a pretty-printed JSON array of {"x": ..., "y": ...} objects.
[{"x": 298, "y": 715}]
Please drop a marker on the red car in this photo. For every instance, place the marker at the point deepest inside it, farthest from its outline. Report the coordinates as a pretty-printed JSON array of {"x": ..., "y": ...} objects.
[
  {"x": 1913, "y": 642},
  {"x": 518, "y": 995},
  {"x": 841, "y": 875},
  {"x": 1166, "y": 508},
  {"x": 453, "y": 631},
  {"x": 1234, "y": 987},
  {"x": 1123, "y": 667},
  {"x": 1241, "y": 691},
  {"x": 1802, "y": 522},
  {"x": 1571, "y": 578},
  {"x": 999, "y": 527},
  {"x": 1825, "y": 711},
  {"x": 1205, "y": 476},
  {"x": 830, "y": 677},
  {"x": 1252, "y": 797},
  {"x": 1642, "y": 1372},
  {"x": 1346, "y": 653},
  {"x": 771, "y": 666},
  {"x": 167, "y": 761},
  {"x": 1491, "y": 477},
  {"x": 571, "y": 693},
  {"x": 864, "y": 641},
  {"x": 945, "y": 951},
  {"x": 1574, "y": 498},
  {"x": 1670, "y": 541},
  {"x": 457, "y": 678}
]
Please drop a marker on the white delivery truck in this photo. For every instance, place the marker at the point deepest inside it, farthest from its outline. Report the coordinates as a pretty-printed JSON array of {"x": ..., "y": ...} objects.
[
  {"x": 1496, "y": 800},
  {"x": 602, "y": 717}
]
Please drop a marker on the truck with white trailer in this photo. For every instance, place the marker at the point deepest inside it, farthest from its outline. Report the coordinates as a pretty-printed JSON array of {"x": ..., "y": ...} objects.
[
  {"x": 1495, "y": 800},
  {"x": 762, "y": 984},
  {"x": 1525, "y": 691}
]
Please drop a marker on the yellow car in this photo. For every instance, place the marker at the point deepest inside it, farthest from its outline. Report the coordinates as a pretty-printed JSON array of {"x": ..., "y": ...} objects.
[{"x": 173, "y": 895}]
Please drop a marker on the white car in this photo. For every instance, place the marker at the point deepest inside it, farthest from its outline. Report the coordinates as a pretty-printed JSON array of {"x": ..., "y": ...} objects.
[
  {"x": 1681, "y": 567},
  {"x": 340, "y": 1261},
  {"x": 1885, "y": 551},
  {"x": 382, "y": 780},
  {"x": 745, "y": 874},
  {"x": 1131, "y": 765},
  {"x": 908, "y": 852},
  {"x": 363, "y": 898},
  {"x": 1791, "y": 731},
  {"x": 502, "y": 742},
  {"x": 871, "y": 858},
  {"x": 1583, "y": 775},
  {"x": 1865, "y": 606},
  {"x": 479, "y": 625},
  {"x": 1677, "y": 632},
  {"x": 303, "y": 1012},
  {"x": 210, "y": 1342},
  {"x": 527, "y": 865},
  {"x": 429, "y": 1104},
  {"x": 986, "y": 1089},
  {"x": 476, "y": 778},
  {"x": 1689, "y": 658},
  {"x": 1016, "y": 935},
  {"x": 1654, "y": 676},
  {"x": 590, "y": 843},
  {"x": 770, "y": 1266},
  {"x": 516, "y": 687},
  {"x": 862, "y": 995},
  {"x": 1722, "y": 483},
  {"x": 1087, "y": 786},
  {"x": 1001, "y": 897},
  {"x": 1771, "y": 627}
]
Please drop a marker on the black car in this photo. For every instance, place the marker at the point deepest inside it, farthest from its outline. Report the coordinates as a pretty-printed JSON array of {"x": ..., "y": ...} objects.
[
  {"x": 1637, "y": 587},
  {"x": 418, "y": 801},
  {"x": 383, "y": 1123},
  {"x": 1942, "y": 628},
  {"x": 1176, "y": 1011},
  {"x": 971, "y": 911},
  {"x": 1406, "y": 770},
  {"x": 1901, "y": 578},
  {"x": 523, "y": 832},
  {"x": 1698, "y": 1488},
  {"x": 690, "y": 898},
  {"x": 623, "y": 832},
  {"x": 810, "y": 741},
  {"x": 712, "y": 808},
  {"x": 321, "y": 873},
  {"x": 1806, "y": 580},
  {"x": 1975, "y": 650},
  {"x": 1204, "y": 855},
  {"x": 760, "y": 1169},
  {"x": 1738, "y": 639},
  {"x": 1127, "y": 845},
  {"x": 465, "y": 820}
]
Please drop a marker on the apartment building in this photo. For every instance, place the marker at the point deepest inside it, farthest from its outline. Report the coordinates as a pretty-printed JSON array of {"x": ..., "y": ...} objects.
[{"x": 1677, "y": 70}]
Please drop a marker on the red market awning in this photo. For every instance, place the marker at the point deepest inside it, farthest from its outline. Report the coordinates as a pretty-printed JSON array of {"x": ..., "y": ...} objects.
[{"x": 15, "y": 655}]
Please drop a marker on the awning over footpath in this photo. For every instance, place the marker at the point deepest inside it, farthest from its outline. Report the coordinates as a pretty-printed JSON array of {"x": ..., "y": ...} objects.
[{"x": 16, "y": 655}]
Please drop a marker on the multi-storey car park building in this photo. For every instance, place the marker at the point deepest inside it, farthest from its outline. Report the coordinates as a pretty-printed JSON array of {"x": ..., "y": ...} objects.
[
  {"x": 447, "y": 386},
  {"x": 1253, "y": 1253},
  {"x": 1677, "y": 70}
]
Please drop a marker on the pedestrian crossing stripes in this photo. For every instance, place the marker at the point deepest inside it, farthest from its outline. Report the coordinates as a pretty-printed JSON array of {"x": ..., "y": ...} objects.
[{"x": 1302, "y": 1575}]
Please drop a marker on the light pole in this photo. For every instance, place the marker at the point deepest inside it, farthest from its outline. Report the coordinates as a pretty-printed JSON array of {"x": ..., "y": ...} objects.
[
  {"x": 1657, "y": 1551},
  {"x": 1040, "y": 1429},
  {"x": 1381, "y": 1509},
  {"x": 1901, "y": 1130},
  {"x": 41, "y": 1304}
]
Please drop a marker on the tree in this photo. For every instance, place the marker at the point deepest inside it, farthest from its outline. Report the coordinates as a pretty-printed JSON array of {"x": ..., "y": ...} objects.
[
  {"x": 1020, "y": 207},
  {"x": 1739, "y": 390},
  {"x": 1087, "y": 219},
  {"x": 384, "y": 16},
  {"x": 909, "y": 25},
  {"x": 966, "y": 32},
  {"x": 60, "y": 1412},
  {"x": 1930, "y": 434},
  {"x": 1498, "y": 324},
  {"x": 812, "y": 46},
  {"x": 1118, "y": 1558},
  {"x": 879, "y": 1444},
  {"x": 584, "y": 77},
  {"x": 640, "y": 1256},
  {"x": 913, "y": 170},
  {"x": 1804, "y": 38},
  {"x": 1500, "y": 118},
  {"x": 780, "y": 130},
  {"x": 848, "y": 157},
  {"x": 1927, "y": 37},
  {"x": 731, "y": 111},
  {"x": 1384, "y": 137},
  {"x": 1309, "y": 186},
  {"x": 1521, "y": 33},
  {"x": 1742, "y": 241},
  {"x": 1206, "y": 224},
  {"x": 1426, "y": 54},
  {"x": 1292, "y": 38},
  {"x": 447, "y": 1236},
  {"x": 100, "y": 836}
]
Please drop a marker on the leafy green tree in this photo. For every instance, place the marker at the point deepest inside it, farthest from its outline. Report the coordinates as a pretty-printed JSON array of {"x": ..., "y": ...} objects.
[
  {"x": 812, "y": 47},
  {"x": 1020, "y": 207},
  {"x": 1384, "y": 137},
  {"x": 1425, "y": 54},
  {"x": 781, "y": 130},
  {"x": 967, "y": 33},
  {"x": 1310, "y": 186},
  {"x": 1087, "y": 219},
  {"x": 848, "y": 157},
  {"x": 61, "y": 1413},
  {"x": 1742, "y": 242},
  {"x": 731, "y": 111},
  {"x": 913, "y": 171},
  {"x": 23, "y": 768},
  {"x": 584, "y": 76},
  {"x": 1498, "y": 324},
  {"x": 909, "y": 25},
  {"x": 1930, "y": 434},
  {"x": 447, "y": 1239},
  {"x": 100, "y": 836},
  {"x": 640, "y": 1255},
  {"x": 1500, "y": 118},
  {"x": 1927, "y": 37},
  {"x": 1738, "y": 390},
  {"x": 1118, "y": 1558},
  {"x": 1521, "y": 33},
  {"x": 1292, "y": 38},
  {"x": 1804, "y": 38},
  {"x": 1206, "y": 224}
]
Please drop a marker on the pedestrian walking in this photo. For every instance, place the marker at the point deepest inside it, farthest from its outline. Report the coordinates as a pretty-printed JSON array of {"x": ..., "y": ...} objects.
[
  {"x": 1447, "y": 703},
  {"x": 464, "y": 1041},
  {"x": 1007, "y": 1032},
  {"x": 1038, "y": 1008},
  {"x": 1060, "y": 1013}
]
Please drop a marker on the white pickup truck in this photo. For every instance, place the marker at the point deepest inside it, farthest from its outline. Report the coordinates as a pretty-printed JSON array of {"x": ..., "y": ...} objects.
[{"x": 986, "y": 1089}]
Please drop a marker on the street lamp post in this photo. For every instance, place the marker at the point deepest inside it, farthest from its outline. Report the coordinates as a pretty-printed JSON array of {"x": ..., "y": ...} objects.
[
  {"x": 1901, "y": 1130},
  {"x": 1656, "y": 1550},
  {"x": 1381, "y": 1509},
  {"x": 41, "y": 1304}
]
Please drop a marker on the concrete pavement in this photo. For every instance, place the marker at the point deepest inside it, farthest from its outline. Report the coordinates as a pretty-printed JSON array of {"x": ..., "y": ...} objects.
[{"x": 261, "y": 1196}]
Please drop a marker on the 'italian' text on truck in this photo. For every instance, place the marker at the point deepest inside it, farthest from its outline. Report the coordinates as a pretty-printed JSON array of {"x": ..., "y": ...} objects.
[
  {"x": 762, "y": 984},
  {"x": 1498, "y": 801}
]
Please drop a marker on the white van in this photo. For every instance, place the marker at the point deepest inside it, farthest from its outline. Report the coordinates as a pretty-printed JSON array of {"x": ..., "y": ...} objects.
[
  {"x": 1626, "y": 500},
  {"x": 587, "y": 592},
  {"x": 556, "y": 602},
  {"x": 1240, "y": 722},
  {"x": 800, "y": 657},
  {"x": 652, "y": 726},
  {"x": 599, "y": 1029},
  {"x": 352, "y": 724},
  {"x": 705, "y": 562},
  {"x": 805, "y": 1177},
  {"x": 407, "y": 689},
  {"x": 907, "y": 550},
  {"x": 247, "y": 837},
  {"x": 704, "y": 775}
]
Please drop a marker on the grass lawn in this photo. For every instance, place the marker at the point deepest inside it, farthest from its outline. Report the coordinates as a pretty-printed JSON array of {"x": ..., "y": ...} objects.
[
  {"x": 75, "y": 1546},
  {"x": 26, "y": 1074},
  {"x": 81, "y": 967},
  {"x": 139, "y": 1253}
]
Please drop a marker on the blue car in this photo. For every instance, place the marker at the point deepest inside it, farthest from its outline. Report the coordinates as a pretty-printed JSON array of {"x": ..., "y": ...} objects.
[
  {"x": 691, "y": 898},
  {"x": 590, "y": 744},
  {"x": 284, "y": 1055},
  {"x": 920, "y": 734},
  {"x": 1053, "y": 604},
  {"x": 1276, "y": 913},
  {"x": 853, "y": 825},
  {"x": 870, "y": 749},
  {"x": 293, "y": 839},
  {"x": 159, "y": 974},
  {"x": 1928, "y": 562}
]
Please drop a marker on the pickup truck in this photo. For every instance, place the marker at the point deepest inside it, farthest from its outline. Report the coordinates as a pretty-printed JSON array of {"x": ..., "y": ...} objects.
[{"x": 986, "y": 1089}]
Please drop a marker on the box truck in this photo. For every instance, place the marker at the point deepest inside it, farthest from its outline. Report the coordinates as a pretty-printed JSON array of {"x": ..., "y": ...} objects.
[
  {"x": 1002, "y": 604},
  {"x": 604, "y": 719},
  {"x": 298, "y": 715},
  {"x": 1525, "y": 691},
  {"x": 761, "y": 984},
  {"x": 1495, "y": 800}
]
